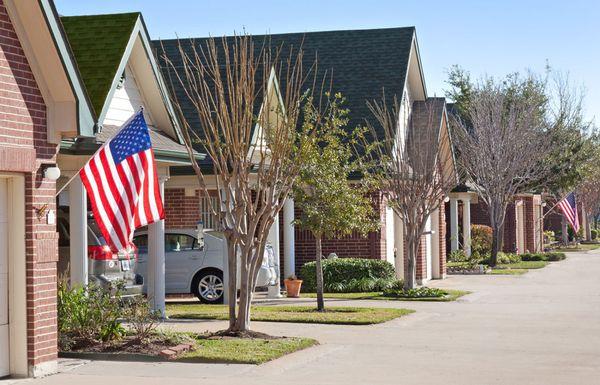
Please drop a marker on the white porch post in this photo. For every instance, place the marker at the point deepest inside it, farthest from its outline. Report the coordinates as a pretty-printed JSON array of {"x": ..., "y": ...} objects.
[
  {"x": 435, "y": 244},
  {"x": 399, "y": 246},
  {"x": 78, "y": 233},
  {"x": 156, "y": 259},
  {"x": 466, "y": 222},
  {"x": 289, "y": 256},
  {"x": 454, "y": 223},
  {"x": 273, "y": 238}
]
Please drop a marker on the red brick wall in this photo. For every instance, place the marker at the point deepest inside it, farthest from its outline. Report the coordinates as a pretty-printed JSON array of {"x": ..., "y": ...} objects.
[
  {"x": 24, "y": 148},
  {"x": 372, "y": 246},
  {"x": 181, "y": 211}
]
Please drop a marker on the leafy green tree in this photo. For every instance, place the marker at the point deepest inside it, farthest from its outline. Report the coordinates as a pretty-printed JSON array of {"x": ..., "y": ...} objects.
[{"x": 332, "y": 203}]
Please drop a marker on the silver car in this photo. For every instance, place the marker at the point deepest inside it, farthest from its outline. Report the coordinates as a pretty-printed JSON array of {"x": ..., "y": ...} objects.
[
  {"x": 105, "y": 268},
  {"x": 197, "y": 267}
]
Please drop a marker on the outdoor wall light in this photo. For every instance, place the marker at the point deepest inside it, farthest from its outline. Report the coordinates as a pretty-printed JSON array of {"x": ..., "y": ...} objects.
[
  {"x": 446, "y": 199},
  {"x": 52, "y": 173}
]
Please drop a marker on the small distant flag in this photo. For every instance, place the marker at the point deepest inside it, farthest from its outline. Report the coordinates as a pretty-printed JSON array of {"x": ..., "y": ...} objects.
[
  {"x": 568, "y": 205},
  {"x": 122, "y": 184}
]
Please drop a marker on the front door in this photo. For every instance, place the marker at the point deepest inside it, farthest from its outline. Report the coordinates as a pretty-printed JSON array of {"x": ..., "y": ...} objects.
[{"x": 4, "y": 343}]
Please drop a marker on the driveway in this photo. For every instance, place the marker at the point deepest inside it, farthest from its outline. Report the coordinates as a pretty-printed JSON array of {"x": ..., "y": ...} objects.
[{"x": 539, "y": 328}]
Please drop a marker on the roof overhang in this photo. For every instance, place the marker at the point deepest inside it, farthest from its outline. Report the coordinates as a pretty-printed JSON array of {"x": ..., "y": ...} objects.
[{"x": 40, "y": 34}]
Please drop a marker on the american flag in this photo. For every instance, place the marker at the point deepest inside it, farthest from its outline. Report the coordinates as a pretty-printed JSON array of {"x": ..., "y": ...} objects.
[
  {"x": 568, "y": 206},
  {"x": 121, "y": 181}
]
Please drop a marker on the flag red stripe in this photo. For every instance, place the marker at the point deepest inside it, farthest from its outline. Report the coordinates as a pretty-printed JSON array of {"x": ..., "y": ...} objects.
[
  {"x": 116, "y": 234},
  {"x": 117, "y": 197}
]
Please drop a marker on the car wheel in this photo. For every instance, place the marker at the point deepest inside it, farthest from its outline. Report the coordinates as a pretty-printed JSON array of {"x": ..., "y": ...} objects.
[{"x": 208, "y": 286}]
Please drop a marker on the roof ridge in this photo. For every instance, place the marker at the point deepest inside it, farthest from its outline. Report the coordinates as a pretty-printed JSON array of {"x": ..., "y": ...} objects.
[
  {"x": 333, "y": 31},
  {"x": 100, "y": 15}
]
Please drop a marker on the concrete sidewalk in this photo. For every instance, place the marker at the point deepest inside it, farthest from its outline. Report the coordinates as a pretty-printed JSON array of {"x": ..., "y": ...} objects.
[{"x": 539, "y": 328}]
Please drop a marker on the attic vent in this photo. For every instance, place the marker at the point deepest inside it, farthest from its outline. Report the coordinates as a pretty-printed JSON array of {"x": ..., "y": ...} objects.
[{"x": 121, "y": 81}]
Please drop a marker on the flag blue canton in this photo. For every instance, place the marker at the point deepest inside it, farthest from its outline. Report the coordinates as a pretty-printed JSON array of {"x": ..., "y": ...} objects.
[{"x": 132, "y": 139}]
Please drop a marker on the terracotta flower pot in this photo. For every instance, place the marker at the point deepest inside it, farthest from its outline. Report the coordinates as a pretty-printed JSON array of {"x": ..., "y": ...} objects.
[{"x": 292, "y": 287}]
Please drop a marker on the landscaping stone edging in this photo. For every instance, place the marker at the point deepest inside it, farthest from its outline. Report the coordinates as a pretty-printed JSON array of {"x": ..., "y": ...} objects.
[
  {"x": 478, "y": 270},
  {"x": 165, "y": 355}
]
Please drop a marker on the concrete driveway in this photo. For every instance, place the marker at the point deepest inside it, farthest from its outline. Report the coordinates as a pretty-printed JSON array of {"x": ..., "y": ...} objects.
[{"x": 539, "y": 328}]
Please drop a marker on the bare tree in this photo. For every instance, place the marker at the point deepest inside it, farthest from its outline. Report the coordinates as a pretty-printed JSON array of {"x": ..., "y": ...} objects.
[
  {"x": 416, "y": 170},
  {"x": 248, "y": 128},
  {"x": 503, "y": 148}
]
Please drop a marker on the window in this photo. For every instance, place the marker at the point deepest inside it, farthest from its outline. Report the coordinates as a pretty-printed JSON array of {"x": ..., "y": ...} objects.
[
  {"x": 206, "y": 214},
  {"x": 141, "y": 242},
  {"x": 179, "y": 242}
]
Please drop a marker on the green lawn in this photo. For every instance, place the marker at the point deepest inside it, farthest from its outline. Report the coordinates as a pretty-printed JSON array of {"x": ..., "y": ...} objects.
[
  {"x": 508, "y": 271},
  {"x": 300, "y": 314},
  {"x": 518, "y": 268},
  {"x": 244, "y": 350},
  {"x": 522, "y": 265},
  {"x": 579, "y": 247},
  {"x": 452, "y": 295}
]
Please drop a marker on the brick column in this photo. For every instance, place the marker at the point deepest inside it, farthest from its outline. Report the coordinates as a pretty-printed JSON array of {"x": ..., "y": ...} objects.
[{"x": 442, "y": 237}]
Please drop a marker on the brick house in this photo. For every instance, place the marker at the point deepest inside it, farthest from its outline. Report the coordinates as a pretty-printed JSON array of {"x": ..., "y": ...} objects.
[
  {"x": 362, "y": 62},
  {"x": 523, "y": 224},
  {"x": 120, "y": 74},
  {"x": 41, "y": 102}
]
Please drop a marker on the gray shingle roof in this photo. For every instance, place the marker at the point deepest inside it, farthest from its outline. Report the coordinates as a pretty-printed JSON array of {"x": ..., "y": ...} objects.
[{"x": 361, "y": 62}]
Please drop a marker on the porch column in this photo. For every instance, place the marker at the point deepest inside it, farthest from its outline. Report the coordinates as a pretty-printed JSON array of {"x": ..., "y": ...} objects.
[
  {"x": 398, "y": 246},
  {"x": 466, "y": 222},
  {"x": 156, "y": 259},
  {"x": 454, "y": 224},
  {"x": 78, "y": 233},
  {"x": 435, "y": 244},
  {"x": 289, "y": 256},
  {"x": 273, "y": 238}
]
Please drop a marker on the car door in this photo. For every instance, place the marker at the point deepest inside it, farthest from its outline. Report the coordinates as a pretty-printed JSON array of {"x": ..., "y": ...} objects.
[{"x": 183, "y": 256}]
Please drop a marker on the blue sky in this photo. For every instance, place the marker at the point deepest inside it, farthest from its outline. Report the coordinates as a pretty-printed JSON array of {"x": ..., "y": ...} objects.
[{"x": 484, "y": 37}]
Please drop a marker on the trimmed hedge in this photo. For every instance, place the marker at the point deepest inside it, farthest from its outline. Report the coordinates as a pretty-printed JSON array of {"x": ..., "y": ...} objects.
[
  {"x": 350, "y": 275},
  {"x": 548, "y": 257}
]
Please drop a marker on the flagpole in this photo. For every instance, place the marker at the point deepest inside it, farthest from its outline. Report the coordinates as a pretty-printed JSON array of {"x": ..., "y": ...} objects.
[{"x": 116, "y": 133}]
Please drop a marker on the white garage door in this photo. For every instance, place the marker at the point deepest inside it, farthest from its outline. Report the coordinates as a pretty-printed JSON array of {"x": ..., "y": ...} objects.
[{"x": 4, "y": 363}]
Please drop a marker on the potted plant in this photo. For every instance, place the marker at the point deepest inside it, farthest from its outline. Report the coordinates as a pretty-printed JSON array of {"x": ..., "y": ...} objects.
[{"x": 292, "y": 286}]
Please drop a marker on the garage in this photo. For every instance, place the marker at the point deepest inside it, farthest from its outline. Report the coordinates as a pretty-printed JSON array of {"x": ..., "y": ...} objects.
[{"x": 4, "y": 342}]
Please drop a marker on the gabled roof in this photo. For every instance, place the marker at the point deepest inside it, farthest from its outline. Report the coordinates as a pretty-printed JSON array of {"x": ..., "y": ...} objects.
[
  {"x": 361, "y": 63},
  {"x": 103, "y": 45},
  {"x": 428, "y": 127},
  {"x": 99, "y": 43}
]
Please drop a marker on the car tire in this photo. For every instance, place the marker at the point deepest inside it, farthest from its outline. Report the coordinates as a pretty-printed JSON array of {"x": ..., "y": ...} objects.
[{"x": 208, "y": 286}]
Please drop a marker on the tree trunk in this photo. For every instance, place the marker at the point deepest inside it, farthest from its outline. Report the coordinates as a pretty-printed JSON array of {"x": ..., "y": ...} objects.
[
  {"x": 565, "y": 230},
  {"x": 231, "y": 282},
  {"x": 319, "y": 268},
  {"x": 410, "y": 278},
  {"x": 496, "y": 244},
  {"x": 588, "y": 227}
]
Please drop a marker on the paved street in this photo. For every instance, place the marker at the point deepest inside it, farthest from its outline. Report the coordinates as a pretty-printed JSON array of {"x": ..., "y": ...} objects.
[{"x": 540, "y": 328}]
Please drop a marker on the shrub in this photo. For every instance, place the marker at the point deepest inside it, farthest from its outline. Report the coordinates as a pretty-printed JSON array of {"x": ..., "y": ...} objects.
[
  {"x": 141, "y": 318},
  {"x": 87, "y": 315},
  {"x": 418, "y": 292},
  {"x": 594, "y": 234},
  {"x": 549, "y": 236},
  {"x": 349, "y": 275},
  {"x": 481, "y": 239},
  {"x": 458, "y": 256},
  {"x": 549, "y": 257}
]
